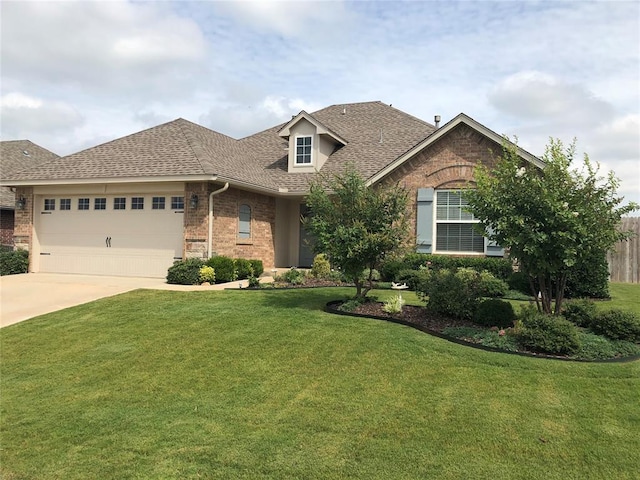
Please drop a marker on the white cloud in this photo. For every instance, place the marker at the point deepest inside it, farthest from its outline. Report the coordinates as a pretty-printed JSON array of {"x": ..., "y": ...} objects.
[
  {"x": 26, "y": 116},
  {"x": 540, "y": 96}
]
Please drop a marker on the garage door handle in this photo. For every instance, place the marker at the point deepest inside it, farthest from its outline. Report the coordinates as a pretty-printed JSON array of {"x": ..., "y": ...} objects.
[{"x": 107, "y": 241}]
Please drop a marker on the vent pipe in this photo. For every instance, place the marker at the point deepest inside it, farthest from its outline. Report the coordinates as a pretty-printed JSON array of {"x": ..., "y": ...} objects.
[{"x": 437, "y": 121}]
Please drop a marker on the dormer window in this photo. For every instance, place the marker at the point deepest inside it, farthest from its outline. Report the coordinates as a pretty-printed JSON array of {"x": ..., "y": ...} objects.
[{"x": 303, "y": 150}]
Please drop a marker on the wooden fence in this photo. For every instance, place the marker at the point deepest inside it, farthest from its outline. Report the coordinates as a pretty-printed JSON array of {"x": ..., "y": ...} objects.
[{"x": 624, "y": 264}]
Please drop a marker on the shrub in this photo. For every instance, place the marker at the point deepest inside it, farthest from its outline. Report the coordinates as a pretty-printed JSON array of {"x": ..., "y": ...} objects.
[
  {"x": 257, "y": 266},
  {"x": 243, "y": 268},
  {"x": 454, "y": 293},
  {"x": 579, "y": 312},
  {"x": 321, "y": 267},
  {"x": 490, "y": 286},
  {"x": 254, "y": 282},
  {"x": 547, "y": 334},
  {"x": 519, "y": 281},
  {"x": 390, "y": 268},
  {"x": 224, "y": 267},
  {"x": 415, "y": 279},
  {"x": 501, "y": 268},
  {"x": 394, "y": 304},
  {"x": 495, "y": 313},
  {"x": 617, "y": 324},
  {"x": 13, "y": 262},
  {"x": 186, "y": 272},
  {"x": 206, "y": 274},
  {"x": 293, "y": 276}
]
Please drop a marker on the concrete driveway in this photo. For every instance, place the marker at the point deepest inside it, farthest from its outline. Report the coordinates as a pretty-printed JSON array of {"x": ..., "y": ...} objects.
[{"x": 32, "y": 294}]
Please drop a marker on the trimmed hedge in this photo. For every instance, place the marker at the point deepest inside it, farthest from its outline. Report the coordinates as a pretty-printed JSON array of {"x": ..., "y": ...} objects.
[
  {"x": 13, "y": 262},
  {"x": 243, "y": 268},
  {"x": 495, "y": 313},
  {"x": 617, "y": 324},
  {"x": 499, "y": 267},
  {"x": 185, "y": 272},
  {"x": 225, "y": 268},
  {"x": 580, "y": 312},
  {"x": 547, "y": 334}
]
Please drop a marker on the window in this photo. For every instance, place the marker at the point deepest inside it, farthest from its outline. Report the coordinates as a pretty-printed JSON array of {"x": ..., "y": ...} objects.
[
  {"x": 65, "y": 204},
  {"x": 137, "y": 203},
  {"x": 99, "y": 203},
  {"x": 83, "y": 204},
  {"x": 455, "y": 230},
  {"x": 120, "y": 203},
  {"x": 49, "y": 204},
  {"x": 177, "y": 203},
  {"x": 244, "y": 221},
  {"x": 157, "y": 203},
  {"x": 303, "y": 150}
]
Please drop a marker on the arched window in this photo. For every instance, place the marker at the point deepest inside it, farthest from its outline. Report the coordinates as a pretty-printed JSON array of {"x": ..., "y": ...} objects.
[{"x": 244, "y": 221}]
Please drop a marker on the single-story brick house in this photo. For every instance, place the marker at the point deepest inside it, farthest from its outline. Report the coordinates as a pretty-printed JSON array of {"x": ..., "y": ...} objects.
[
  {"x": 16, "y": 155},
  {"x": 134, "y": 205}
]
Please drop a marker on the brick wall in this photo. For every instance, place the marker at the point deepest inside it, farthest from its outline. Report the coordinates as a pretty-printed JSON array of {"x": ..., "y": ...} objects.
[
  {"x": 259, "y": 246},
  {"x": 6, "y": 227},
  {"x": 448, "y": 163},
  {"x": 23, "y": 222}
]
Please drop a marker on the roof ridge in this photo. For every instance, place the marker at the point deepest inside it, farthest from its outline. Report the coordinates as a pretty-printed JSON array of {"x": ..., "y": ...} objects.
[{"x": 190, "y": 142}]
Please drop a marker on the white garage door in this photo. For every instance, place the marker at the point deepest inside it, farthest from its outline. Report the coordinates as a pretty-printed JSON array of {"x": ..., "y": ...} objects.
[{"x": 128, "y": 235}]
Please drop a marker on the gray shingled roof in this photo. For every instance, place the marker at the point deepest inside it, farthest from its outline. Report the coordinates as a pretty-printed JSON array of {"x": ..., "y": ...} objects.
[
  {"x": 18, "y": 155},
  {"x": 376, "y": 134}
]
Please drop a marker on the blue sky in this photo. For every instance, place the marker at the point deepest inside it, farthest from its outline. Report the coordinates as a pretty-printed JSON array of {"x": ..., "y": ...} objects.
[{"x": 77, "y": 74}]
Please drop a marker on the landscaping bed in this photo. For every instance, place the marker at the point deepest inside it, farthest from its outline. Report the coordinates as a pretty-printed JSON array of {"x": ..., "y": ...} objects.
[{"x": 466, "y": 332}]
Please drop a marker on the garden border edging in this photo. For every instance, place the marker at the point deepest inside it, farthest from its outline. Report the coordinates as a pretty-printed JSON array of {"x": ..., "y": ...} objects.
[{"x": 331, "y": 307}]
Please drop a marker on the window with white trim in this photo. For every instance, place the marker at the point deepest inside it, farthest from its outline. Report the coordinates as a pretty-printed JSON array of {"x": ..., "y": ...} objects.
[
  {"x": 244, "y": 221},
  {"x": 120, "y": 203},
  {"x": 100, "y": 203},
  {"x": 303, "y": 150},
  {"x": 177, "y": 203},
  {"x": 137, "y": 203},
  {"x": 455, "y": 230},
  {"x": 49, "y": 204},
  {"x": 157, "y": 203}
]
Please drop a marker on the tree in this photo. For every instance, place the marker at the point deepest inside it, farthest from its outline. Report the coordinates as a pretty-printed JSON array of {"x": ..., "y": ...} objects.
[
  {"x": 550, "y": 219},
  {"x": 356, "y": 225}
]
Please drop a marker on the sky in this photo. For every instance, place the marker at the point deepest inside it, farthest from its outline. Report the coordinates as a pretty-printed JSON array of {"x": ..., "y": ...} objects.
[{"x": 77, "y": 74}]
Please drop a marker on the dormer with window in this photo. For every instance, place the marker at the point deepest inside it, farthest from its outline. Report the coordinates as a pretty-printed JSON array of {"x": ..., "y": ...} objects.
[{"x": 310, "y": 143}]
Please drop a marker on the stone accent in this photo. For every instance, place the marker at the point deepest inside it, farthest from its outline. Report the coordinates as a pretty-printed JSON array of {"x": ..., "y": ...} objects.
[
  {"x": 23, "y": 223},
  {"x": 196, "y": 220},
  {"x": 447, "y": 163}
]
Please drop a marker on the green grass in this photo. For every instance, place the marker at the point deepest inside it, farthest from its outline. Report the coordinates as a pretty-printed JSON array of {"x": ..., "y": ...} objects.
[{"x": 264, "y": 385}]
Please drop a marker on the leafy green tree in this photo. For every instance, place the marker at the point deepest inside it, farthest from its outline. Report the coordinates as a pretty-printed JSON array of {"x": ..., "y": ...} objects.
[
  {"x": 550, "y": 219},
  {"x": 356, "y": 225}
]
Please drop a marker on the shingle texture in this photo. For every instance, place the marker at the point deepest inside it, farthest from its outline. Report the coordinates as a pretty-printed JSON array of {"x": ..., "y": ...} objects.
[
  {"x": 376, "y": 134},
  {"x": 16, "y": 156}
]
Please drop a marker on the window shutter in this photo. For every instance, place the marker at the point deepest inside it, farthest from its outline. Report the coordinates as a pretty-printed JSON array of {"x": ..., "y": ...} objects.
[
  {"x": 492, "y": 249},
  {"x": 424, "y": 220}
]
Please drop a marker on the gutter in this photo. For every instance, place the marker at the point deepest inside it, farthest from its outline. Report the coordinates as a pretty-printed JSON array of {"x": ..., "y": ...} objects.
[{"x": 210, "y": 233}]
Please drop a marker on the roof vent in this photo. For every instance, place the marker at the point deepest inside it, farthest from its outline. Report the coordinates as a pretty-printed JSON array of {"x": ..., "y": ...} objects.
[
  {"x": 437, "y": 121},
  {"x": 344, "y": 110},
  {"x": 25, "y": 153}
]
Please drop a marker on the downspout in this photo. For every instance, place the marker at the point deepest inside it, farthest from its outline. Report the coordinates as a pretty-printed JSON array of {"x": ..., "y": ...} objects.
[{"x": 210, "y": 234}]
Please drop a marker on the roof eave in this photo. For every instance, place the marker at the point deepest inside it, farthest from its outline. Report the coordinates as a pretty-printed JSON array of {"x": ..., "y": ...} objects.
[{"x": 110, "y": 180}]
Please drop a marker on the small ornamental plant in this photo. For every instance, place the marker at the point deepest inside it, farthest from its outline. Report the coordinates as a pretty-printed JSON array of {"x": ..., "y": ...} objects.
[
  {"x": 207, "y": 274},
  {"x": 394, "y": 304}
]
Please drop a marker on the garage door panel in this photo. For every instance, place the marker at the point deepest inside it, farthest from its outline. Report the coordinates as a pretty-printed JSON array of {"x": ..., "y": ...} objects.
[{"x": 141, "y": 242}]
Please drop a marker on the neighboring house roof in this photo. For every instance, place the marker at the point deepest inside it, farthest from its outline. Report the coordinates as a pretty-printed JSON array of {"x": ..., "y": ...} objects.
[
  {"x": 15, "y": 156},
  {"x": 372, "y": 136}
]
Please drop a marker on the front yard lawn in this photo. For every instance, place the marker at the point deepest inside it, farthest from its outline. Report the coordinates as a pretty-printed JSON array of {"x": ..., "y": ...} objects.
[{"x": 265, "y": 385}]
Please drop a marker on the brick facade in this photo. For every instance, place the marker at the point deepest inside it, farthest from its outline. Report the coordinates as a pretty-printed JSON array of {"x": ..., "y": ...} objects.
[
  {"x": 261, "y": 243},
  {"x": 447, "y": 163},
  {"x": 6, "y": 227}
]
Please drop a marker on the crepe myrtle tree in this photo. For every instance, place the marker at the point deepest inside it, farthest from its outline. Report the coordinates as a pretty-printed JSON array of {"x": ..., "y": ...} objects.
[
  {"x": 549, "y": 218},
  {"x": 355, "y": 225}
]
